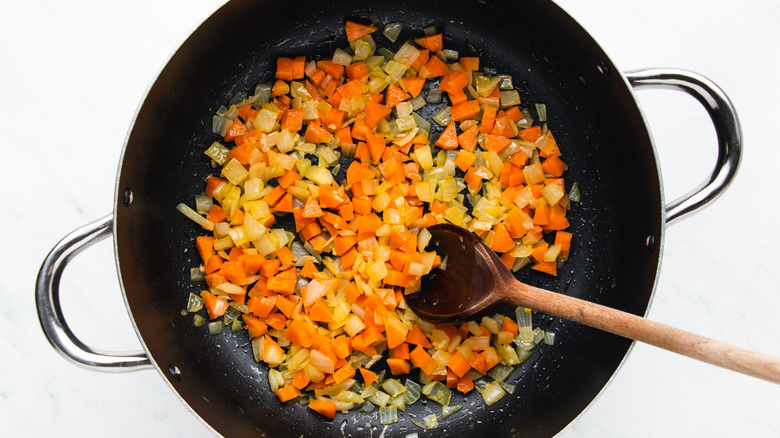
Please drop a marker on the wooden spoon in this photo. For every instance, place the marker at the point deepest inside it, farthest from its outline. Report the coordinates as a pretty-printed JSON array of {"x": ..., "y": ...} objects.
[{"x": 475, "y": 281}]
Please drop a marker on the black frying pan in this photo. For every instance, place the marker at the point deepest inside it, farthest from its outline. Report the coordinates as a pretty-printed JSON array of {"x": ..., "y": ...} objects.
[{"x": 619, "y": 225}]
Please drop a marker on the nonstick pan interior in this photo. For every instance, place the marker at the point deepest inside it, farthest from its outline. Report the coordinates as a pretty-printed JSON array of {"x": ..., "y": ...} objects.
[{"x": 613, "y": 261}]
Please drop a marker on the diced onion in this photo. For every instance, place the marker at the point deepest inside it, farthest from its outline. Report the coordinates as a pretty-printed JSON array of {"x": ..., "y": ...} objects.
[
  {"x": 412, "y": 393},
  {"x": 341, "y": 57},
  {"x": 215, "y": 327},
  {"x": 493, "y": 392},
  {"x": 192, "y": 214},
  {"x": 194, "y": 303},
  {"x": 447, "y": 411},
  {"x": 388, "y": 415}
]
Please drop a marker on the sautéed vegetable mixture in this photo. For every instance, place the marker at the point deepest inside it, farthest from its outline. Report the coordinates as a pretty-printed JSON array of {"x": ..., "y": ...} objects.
[{"x": 339, "y": 145}]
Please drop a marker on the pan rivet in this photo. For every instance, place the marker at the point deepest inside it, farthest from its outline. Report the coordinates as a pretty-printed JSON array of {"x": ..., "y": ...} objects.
[
  {"x": 650, "y": 243},
  {"x": 127, "y": 197},
  {"x": 602, "y": 67},
  {"x": 175, "y": 373}
]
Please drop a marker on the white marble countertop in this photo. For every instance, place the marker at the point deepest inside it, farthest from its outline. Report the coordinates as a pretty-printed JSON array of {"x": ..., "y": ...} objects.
[{"x": 72, "y": 75}]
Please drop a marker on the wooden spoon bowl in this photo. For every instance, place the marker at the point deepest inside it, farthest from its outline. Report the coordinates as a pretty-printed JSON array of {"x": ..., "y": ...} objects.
[{"x": 472, "y": 281}]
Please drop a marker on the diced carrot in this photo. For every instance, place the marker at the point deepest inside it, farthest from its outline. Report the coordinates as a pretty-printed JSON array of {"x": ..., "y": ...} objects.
[
  {"x": 331, "y": 68},
  {"x": 434, "y": 68},
  {"x": 213, "y": 265},
  {"x": 311, "y": 209},
  {"x": 465, "y": 384},
  {"x": 563, "y": 238},
  {"x": 395, "y": 331},
  {"x": 285, "y": 204},
  {"x": 287, "y": 393},
  {"x": 448, "y": 138},
  {"x": 215, "y": 306},
  {"x": 451, "y": 379},
  {"x": 541, "y": 213},
  {"x": 320, "y": 312},
  {"x": 261, "y": 306},
  {"x": 458, "y": 364},
  {"x": 421, "y": 59},
  {"x": 297, "y": 67},
  {"x": 279, "y": 88},
  {"x": 356, "y": 31},
  {"x": 351, "y": 89},
  {"x": 342, "y": 244},
  {"x": 238, "y": 218},
  {"x": 212, "y": 183},
  {"x": 299, "y": 332},
  {"x": 233, "y": 272},
  {"x": 468, "y": 139},
  {"x": 488, "y": 119},
  {"x": 553, "y": 166},
  {"x": 246, "y": 112},
  {"x": 401, "y": 351},
  {"x": 434, "y": 43},
  {"x": 421, "y": 359},
  {"x": 469, "y": 63},
  {"x": 395, "y": 95},
  {"x": 455, "y": 81},
  {"x": 546, "y": 267},
  {"x": 502, "y": 241},
  {"x": 362, "y": 205},
  {"x": 496, "y": 143},
  {"x": 254, "y": 325},
  {"x": 324, "y": 407},
  {"x": 465, "y": 110},
  {"x": 347, "y": 211},
  {"x": 412, "y": 85},
  {"x": 275, "y": 195},
  {"x": 369, "y": 376},
  {"x": 398, "y": 366},
  {"x": 205, "y": 246},
  {"x": 300, "y": 380},
  {"x": 397, "y": 278},
  {"x": 284, "y": 68},
  {"x": 357, "y": 70},
  {"x": 376, "y": 112},
  {"x": 531, "y": 134},
  {"x": 376, "y": 146},
  {"x": 315, "y": 133},
  {"x": 236, "y": 129},
  {"x": 281, "y": 285},
  {"x": 285, "y": 305},
  {"x": 317, "y": 76},
  {"x": 343, "y": 373},
  {"x": 557, "y": 219},
  {"x": 472, "y": 179}
]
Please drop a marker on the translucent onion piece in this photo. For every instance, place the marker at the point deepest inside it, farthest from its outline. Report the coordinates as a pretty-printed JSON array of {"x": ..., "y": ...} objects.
[
  {"x": 342, "y": 58},
  {"x": 525, "y": 331},
  {"x": 446, "y": 411},
  {"x": 493, "y": 392},
  {"x": 541, "y": 111},
  {"x": 197, "y": 275},
  {"x": 217, "y": 152},
  {"x": 388, "y": 415},
  {"x": 194, "y": 303},
  {"x": 215, "y": 327},
  {"x": 412, "y": 393},
  {"x": 192, "y": 214}
]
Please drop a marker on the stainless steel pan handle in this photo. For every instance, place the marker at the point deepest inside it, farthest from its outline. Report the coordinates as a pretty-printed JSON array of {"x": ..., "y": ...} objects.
[
  {"x": 47, "y": 297},
  {"x": 727, "y": 129}
]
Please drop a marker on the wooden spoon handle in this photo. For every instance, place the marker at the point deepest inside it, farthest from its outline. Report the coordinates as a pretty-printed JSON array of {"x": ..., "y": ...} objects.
[{"x": 650, "y": 332}]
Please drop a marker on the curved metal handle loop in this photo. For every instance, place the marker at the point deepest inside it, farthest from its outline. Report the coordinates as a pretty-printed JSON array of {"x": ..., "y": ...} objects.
[
  {"x": 727, "y": 128},
  {"x": 47, "y": 297}
]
